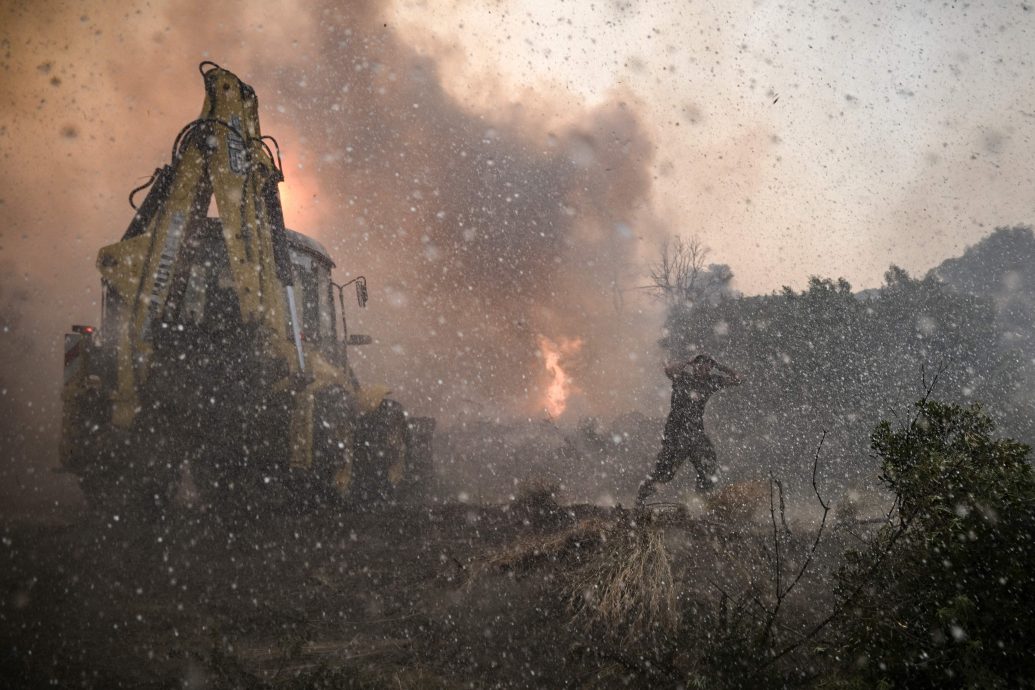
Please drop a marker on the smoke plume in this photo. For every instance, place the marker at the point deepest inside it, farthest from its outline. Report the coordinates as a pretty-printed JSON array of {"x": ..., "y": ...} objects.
[{"x": 480, "y": 230}]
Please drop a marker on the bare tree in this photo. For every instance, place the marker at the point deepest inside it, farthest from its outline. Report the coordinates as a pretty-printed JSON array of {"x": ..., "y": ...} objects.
[{"x": 681, "y": 275}]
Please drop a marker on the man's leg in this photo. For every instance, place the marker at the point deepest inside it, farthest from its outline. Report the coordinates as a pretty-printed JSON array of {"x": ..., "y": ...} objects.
[
  {"x": 669, "y": 460},
  {"x": 705, "y": 462},
  {"x": 646, "y": 489}
]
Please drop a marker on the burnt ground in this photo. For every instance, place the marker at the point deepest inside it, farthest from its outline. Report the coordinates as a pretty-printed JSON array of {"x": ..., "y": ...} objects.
[
  {"x": 358, "y": 598},
  {"x": 401, "y": 597}
]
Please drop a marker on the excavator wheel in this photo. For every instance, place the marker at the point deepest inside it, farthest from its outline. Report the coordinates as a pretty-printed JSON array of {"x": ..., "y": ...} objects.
[
  {"x": 383, "y": 453},
  {"x": 137, "y": 478},
  {"x": 330, "y": 478},
  {"x": 229, "y": 490},
  {"x": 243, "y": 487},
  {"x": 127, "y": 498}
]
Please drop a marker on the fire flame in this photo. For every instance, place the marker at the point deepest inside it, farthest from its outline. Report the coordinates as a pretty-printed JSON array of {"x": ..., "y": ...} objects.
[
  {"x": 560, "y": 388},
  {"x": 300, "y": 190}
]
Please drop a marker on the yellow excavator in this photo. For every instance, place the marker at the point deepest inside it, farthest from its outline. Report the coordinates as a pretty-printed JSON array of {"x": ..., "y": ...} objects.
[{"x": 219, "y": 348}]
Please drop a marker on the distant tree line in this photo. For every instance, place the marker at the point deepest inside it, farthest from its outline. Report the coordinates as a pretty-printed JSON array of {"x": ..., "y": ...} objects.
[{"x": 828, "y": 358}]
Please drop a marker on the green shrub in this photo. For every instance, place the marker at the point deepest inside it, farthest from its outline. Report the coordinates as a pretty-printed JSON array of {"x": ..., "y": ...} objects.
[{"x": 944, "y": 595}]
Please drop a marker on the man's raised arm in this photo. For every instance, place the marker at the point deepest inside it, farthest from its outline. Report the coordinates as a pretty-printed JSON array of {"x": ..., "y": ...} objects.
[
  {"x": 675, "y": 367},
  {"x": 732, "y": 377}
]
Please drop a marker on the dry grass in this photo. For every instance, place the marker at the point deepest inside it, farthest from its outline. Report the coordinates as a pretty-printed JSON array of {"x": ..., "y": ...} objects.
[
  {"x": 537, "y": 490},
  {"x": 626, "y": 591},
  {"x": 738, "y": 504},
  {"x": 616, "y": 575},
  {"x": 572, "y": 545},
  {"x": 536, "y": 505}
]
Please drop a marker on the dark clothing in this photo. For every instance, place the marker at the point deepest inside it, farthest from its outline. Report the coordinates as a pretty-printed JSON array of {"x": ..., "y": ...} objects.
[
  {"x": 690, "y": 394},
  {"x": 700, "y": 452},
  {"x": 684, "y": 438}
]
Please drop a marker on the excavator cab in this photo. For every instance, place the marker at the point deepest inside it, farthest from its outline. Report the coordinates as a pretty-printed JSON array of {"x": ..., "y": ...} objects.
[
  {"x": 321, "y": 299},
  {"x": 311, "y": 266},
  {"x": 208, "y": 296}
]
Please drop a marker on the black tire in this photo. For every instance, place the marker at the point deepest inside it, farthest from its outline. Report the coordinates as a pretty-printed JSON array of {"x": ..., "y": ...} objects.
[
  {"x": 229, "y": 490},
  {"x": 383, "y": 454},
  {"x": 244, "y": 487},
  {"x": 137, "y": 479},
  {"x": 326, "y": 484}
]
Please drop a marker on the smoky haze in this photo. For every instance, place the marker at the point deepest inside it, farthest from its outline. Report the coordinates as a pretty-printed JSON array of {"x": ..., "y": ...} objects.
[
  {"x": 503, "y": 173},
  {"x": 479, "y": 233}
]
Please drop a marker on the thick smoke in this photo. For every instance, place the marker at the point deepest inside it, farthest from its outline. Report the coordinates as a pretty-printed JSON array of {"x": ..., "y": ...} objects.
[
  {"x": 479, "y": 231},
  {"x": 482, "y": 231}
]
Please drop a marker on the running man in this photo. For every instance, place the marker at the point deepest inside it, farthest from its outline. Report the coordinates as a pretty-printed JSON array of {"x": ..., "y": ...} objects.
[{"x": 693, "y": 382}]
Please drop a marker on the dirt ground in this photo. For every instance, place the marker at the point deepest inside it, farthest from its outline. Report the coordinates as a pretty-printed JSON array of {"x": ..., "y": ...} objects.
[
  {"x": 400, "y": 597},
  {"x": 362, "y": 598}
]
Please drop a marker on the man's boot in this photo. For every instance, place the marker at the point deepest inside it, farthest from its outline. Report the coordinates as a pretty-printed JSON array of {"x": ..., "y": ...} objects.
[
  {"x": 646, "y": 491},
  {"x": 706, "y": 480}
]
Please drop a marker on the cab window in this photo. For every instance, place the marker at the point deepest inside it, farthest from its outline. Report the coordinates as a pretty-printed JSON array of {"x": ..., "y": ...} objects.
[{"x": 312, "y": 281}]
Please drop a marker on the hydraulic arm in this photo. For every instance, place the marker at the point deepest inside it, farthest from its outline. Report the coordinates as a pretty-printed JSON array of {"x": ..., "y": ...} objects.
[{"x": 223, "y": 156}]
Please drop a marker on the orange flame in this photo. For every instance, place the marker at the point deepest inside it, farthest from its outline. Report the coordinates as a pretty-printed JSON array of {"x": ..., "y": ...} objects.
[
  {"x": 301, "y": 190},
  {"x": 560, "y": 388}
]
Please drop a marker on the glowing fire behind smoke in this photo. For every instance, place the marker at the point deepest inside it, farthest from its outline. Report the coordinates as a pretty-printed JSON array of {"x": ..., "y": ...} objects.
[
  {"x": 553, "y": 352},
  {"x": 299, "y": 192}
]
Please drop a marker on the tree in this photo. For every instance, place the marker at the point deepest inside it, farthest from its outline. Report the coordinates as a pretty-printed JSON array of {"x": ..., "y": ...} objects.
[
  {"x": 681, "y": 276},
  {"x": 825, "y": 358}
]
